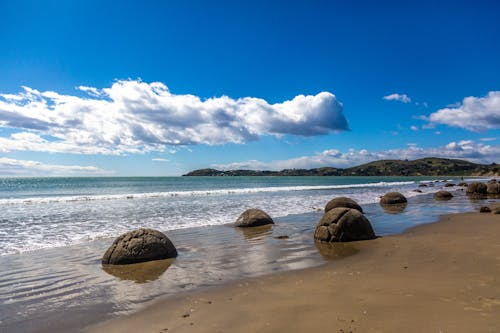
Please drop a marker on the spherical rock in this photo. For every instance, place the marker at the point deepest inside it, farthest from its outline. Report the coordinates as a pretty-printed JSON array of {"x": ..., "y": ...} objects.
[
  {"x": 343, "y": 225},
  {"x": 253, "y": 218},
  {"x": 477, "y": 188},
  {"x": 342, "y": 202},
  {"x": 485, "y": 209},
  {"x": 493, "y": 187},
  {"x": 393, "y": 198},
  {"x": 139, "y": 245},
  {"x": 443, "y": 195}
]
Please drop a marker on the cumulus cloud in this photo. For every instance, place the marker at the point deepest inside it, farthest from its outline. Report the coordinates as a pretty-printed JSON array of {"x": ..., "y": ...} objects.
[
  {"x": 133, "y": 116},
  {"x": 160, "y": 160},
  {"x": 398, "y": 97},
  {"x": 13, "y": 167},
  {"x": 466, "y": 149},
  {"x": 474, "y": 113}
]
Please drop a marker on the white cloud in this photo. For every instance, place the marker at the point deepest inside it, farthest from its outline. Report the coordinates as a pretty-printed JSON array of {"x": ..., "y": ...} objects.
[
  {"x": 160, "y": 160},
  {"x": 398, "y": 97},
  {"x": 414, "y": 128},
  {"x": 474, "y": 113},
  {"x": 134, "y": 116},
  {"x": 13, "y": 167},
  {"x": 488, "y": 139},
  {"x": 466, "y": 149}
]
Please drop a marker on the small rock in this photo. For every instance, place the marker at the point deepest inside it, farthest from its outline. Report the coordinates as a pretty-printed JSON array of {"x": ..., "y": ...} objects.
[
  {"x": 281, "y": 237},
  {"x": 485, "y": 209}
]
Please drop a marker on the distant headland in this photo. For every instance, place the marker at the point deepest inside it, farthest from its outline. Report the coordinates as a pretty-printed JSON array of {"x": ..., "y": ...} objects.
[{"x": 429, "y": 166}]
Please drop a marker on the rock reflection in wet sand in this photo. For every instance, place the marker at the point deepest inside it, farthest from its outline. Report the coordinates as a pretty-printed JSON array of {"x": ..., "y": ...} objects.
[
  {"x": 331, "y": 251},
  {"x": 141, "y": 272}
]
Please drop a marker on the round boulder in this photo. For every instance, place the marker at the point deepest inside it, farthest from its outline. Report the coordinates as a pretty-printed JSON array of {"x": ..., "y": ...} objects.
[
  {"x": 485, "y": 209},
  {"x": 342, "y": 202},
  {"x": 463, "y": 184},
  {"x": 343, "y": 225},
  {"x": 493, "y": 188},
  {"x": 253, "y": 218},
  {"x": 449, "y": 185},
  {"x": 477, "y": 188},
  {"x": 393, "y": 198},
  {"x": 443, "y": 195},
  {"x": 422, "y": 185},
  {"x": 139, "y": 245}
]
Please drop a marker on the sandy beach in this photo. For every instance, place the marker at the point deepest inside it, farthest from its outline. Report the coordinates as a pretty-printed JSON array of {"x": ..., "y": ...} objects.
[{"x": 439, "y": 277}]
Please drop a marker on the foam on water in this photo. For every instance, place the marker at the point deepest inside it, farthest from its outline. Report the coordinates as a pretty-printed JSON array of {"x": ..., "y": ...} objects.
[{"x": 35, "y": 200}]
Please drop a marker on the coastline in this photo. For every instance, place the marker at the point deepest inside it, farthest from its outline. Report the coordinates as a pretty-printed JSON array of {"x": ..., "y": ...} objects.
[{"x": 440, "y": 276}]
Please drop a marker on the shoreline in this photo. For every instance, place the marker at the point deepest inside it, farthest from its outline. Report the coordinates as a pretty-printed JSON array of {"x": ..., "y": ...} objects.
[{"x": 432, "y": 277}]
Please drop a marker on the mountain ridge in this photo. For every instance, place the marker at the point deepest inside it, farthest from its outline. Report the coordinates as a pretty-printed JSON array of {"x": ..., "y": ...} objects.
[{"x": 428, "y": 166}]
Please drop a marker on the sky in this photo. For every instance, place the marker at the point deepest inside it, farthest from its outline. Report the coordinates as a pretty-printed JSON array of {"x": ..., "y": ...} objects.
[{"x": 160, "y": 88}]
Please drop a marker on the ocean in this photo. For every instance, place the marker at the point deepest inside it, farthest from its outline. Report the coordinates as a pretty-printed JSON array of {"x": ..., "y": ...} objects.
[{"x": 53, "y": 232}]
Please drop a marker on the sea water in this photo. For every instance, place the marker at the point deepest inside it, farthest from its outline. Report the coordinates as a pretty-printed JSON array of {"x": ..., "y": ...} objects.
[{"x": 53, "y": 232}]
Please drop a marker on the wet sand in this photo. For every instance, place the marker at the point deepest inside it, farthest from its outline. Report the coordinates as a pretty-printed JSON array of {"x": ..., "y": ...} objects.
[{"x": 440, "y": 277}]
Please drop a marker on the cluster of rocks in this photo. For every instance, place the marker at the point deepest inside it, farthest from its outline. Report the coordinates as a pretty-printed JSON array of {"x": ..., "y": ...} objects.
[
  {"x": 481, "y": 190},
  {"x": 343, "y": 221}
]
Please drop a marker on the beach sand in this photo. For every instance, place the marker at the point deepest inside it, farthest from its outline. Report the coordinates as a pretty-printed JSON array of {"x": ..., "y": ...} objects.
[{"x": 439, "y": 277}]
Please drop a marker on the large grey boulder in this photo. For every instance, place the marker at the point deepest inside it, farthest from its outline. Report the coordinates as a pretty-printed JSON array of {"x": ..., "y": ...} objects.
[
  {"x": 393, "y": 198},
  {"x": 342, "y": 202},
  {"x": 139, "y": 245},
  {"x": 343, "y": 225},
  {"x": 253, "y": 218}
]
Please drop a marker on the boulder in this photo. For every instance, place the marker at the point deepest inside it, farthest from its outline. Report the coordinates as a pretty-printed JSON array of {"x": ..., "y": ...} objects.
[
  {"x": 417, "y": 190},
  {"x": 449, "y": 185},
  {"x": 342, "y": 202},
  {"x": 485, "y": 209},
  {"x": 493, "y": 188},
  {"x": 477, "y": 188},
  {"x": 393, "y": 198},
  {"x": 343, "y": 225},
  {"x": 139, "y": 245},
  {"x": 422, "y": 185},
  {"x": 443, "y": 195},
  {"x": 253, "y": 218},
  {"x": 463, "y": 184}
]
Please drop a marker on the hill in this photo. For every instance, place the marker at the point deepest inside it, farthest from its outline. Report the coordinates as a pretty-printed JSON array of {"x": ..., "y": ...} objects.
[{"x": 430, "y": 166}]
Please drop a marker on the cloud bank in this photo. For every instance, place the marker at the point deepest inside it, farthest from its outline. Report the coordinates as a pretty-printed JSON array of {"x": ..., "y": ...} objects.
[
  {"x": 133, "y": 117},
  {"x": 13, "y": 167},
  {"x": 466, "y": 149},
  {"x": 398, "y": 97},
  {"x": 474, "y": 113}
]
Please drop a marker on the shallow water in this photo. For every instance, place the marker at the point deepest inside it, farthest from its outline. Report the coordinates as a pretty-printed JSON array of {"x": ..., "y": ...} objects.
[
  {"x": 40, "y": 213},
  {"x": 66, "y": 288}
]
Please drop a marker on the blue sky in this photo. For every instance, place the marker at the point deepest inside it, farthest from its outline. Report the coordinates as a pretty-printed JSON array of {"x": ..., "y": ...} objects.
[{"x": 163, "y": 87}]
